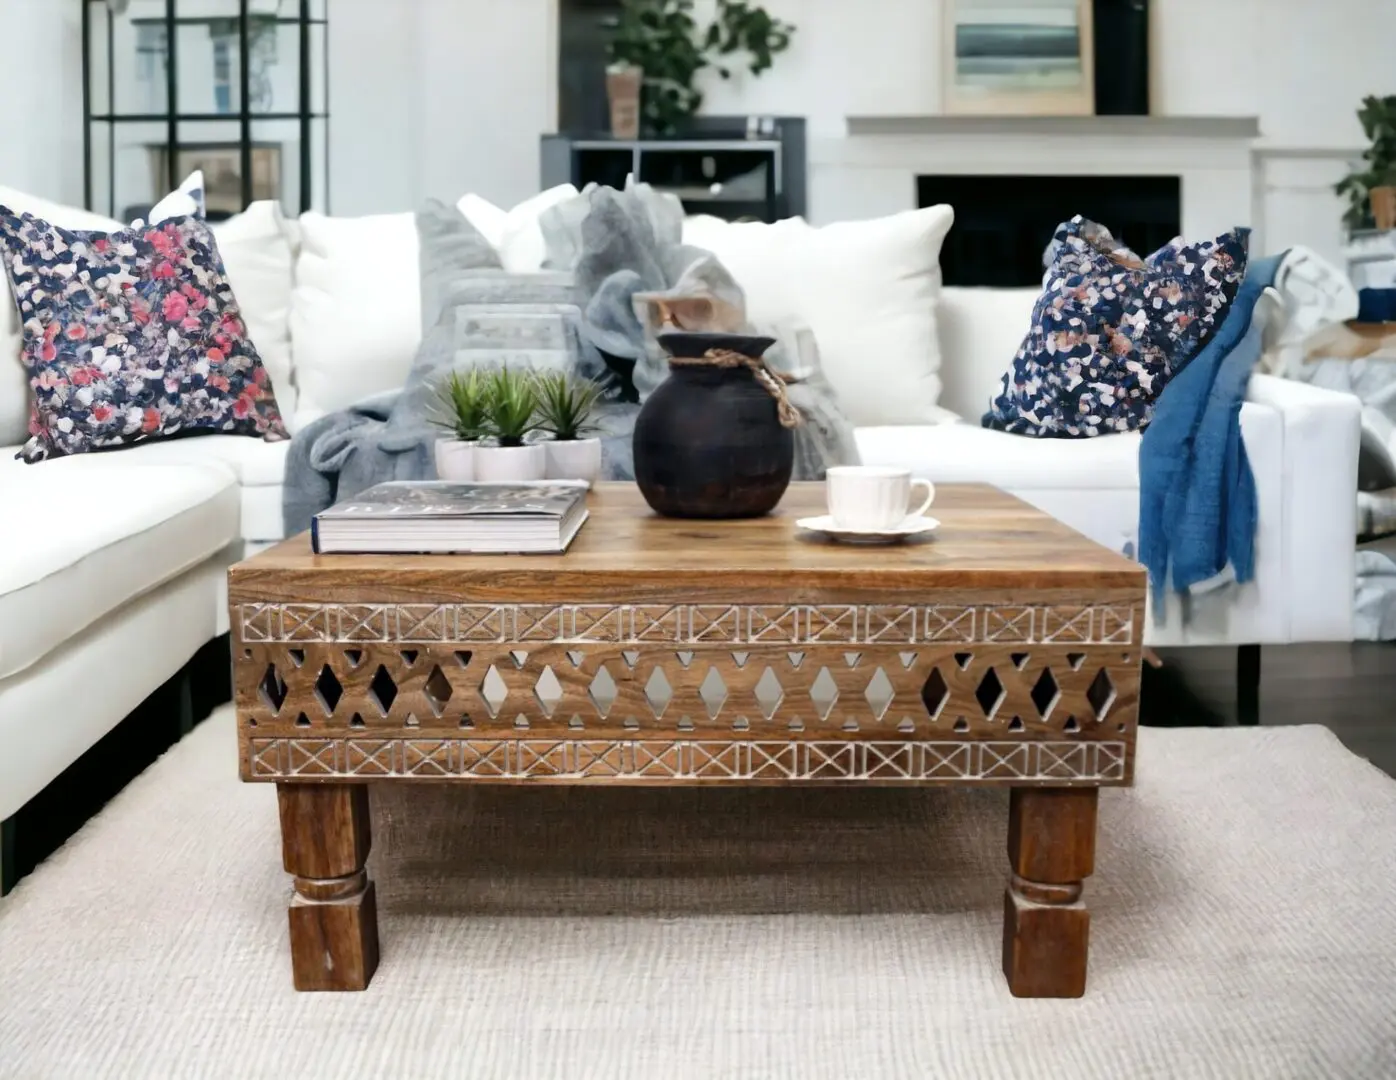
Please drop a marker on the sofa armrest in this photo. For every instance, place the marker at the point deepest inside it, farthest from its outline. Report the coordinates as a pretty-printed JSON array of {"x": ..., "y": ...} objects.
[{"x": 1322, "y": 429}]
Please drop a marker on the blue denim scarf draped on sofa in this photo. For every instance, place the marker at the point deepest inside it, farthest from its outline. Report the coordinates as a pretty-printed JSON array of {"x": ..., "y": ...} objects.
[{"x": 1197, "y": 499}]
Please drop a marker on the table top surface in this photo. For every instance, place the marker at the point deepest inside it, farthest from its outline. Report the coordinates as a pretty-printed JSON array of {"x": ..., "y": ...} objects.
[{"x": 986, "y": 538}]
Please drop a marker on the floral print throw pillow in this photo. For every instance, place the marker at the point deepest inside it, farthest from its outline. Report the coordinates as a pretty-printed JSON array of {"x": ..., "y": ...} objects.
[
  {"x": 1110, "y": 329},
  {"x": 131, "y": 335}
]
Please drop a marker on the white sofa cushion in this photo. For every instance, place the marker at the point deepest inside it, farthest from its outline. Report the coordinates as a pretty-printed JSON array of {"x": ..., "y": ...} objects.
[
  {"x": 356, "y": 310},
  {"x": 515, "y": 235},
  {"x": 969, "y": 454},
  {"x": 82, "y": 536},
  {"x": 868, "y": 290},
  {"x": 980, "y": 332},
  {"x": 260, "y": 260},
  {"x": 257, "y": 466}
]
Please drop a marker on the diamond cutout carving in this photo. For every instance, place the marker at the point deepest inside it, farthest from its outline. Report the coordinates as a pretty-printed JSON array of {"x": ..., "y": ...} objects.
[
  {"x": 548, "y": 690},
  {"x": 272, "y": 689},
  {"x": 409, "y": 656},
  {"x": 354, "y": 656},
  {"x": 989, "y": 693},
  {"x": 520, "y": 657},
  {"x": 1075, "y": 659},
  {"x": 685, "y": 658},
  {"x": 769, "y": 693},
  {"x": 463, "y": 657},
  {"x": 631, "y": 658},
  {"x": 493, "y": 690},
  {"x": 796, "y": 659},
  {"x": 1101, "y": 694},
  {"x": 963, "y": 659},
  {"x": 824, "y": 692},
  {"x": 907, "y": 659},
  {"x": 382, "y": 690},
  {"x": 438, "y": 690},
  {"x": 297, "y": 656},
  {"x": 1046, "y": 693},
  {"x": 713, "y": 691},
  {"x": 658, "y": 692},
  {"x": 880, "y": 693},
  {"x": 740, "y": 658},
  {"x": 934, "y": 692},
  {"x": 602, "y": 691},
  {"x": 852, "y": 658},
  {"x": 327, "y": 690},
  {"x": 1020, "y": 659}
]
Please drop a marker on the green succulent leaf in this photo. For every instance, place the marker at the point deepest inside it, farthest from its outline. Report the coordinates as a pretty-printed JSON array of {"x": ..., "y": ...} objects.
[
  {"x": 566, "y": 405},
  {"x": 512, "y": 405}
]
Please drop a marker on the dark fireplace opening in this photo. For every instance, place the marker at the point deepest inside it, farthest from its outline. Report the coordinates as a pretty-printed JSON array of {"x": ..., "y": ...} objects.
[{"x": 1003, "y": 224}]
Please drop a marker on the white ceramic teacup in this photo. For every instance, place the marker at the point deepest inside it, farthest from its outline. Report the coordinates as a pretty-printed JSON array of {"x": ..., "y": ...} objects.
[{"x": 867, "y": 498}]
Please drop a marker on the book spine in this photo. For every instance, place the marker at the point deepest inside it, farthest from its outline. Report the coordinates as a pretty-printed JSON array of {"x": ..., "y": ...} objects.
[{"x": 315, "y": 534}]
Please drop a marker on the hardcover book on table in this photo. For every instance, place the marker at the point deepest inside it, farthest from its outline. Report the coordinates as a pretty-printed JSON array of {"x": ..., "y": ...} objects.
[{"x": 444, "y": 517}]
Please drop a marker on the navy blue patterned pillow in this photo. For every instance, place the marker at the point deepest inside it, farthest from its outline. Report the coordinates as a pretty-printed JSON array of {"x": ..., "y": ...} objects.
[
  {"x": 1110, "y": 329},
  {"x": 131, "y": 335}
]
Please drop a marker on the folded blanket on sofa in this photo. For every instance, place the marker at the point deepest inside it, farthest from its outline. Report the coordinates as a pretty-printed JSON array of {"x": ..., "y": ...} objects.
[{"x": 1197, "y": 499}]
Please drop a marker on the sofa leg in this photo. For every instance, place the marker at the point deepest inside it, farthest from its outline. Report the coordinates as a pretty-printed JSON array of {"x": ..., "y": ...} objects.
[
  {"x": 1248, "y": 685},
  {"x": 9, "y": 869}
]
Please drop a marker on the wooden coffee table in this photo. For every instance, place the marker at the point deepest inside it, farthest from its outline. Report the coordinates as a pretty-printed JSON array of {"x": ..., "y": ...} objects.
[{"x": 1004, "y": 652}]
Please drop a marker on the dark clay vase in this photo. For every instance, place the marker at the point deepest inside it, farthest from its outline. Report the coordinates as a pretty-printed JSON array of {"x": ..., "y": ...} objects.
[{"x": 708, "y": 442}]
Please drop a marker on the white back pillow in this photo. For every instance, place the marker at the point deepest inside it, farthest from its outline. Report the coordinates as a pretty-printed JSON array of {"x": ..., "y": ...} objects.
[
  {"x": 356, "y": 316},
  {"x": 515, "y": 234},
  {"x": 868, "y": 289}
]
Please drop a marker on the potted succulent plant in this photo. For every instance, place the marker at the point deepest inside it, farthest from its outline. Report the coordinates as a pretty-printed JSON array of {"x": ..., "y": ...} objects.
[
  {"x": 464, "y": 415},
  {"x": 511, "y": 414},
  {"x": 566, "y": 405}
]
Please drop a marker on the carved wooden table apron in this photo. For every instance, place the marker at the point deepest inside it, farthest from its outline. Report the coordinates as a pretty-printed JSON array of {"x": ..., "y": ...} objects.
[{"x": 1004, "y": 652}]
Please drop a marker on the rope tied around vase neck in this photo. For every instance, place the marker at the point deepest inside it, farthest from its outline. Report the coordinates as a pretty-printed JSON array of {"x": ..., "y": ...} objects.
[{"x": 772, "y": 381}]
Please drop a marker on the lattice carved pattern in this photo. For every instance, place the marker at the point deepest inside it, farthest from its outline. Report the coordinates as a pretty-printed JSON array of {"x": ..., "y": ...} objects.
[{"x": 983, "y": 691}]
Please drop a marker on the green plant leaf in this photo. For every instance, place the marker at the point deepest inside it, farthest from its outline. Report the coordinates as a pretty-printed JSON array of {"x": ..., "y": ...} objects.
[{"x": 511, "y": 405}]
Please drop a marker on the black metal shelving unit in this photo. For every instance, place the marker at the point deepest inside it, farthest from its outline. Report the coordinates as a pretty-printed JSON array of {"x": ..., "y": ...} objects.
[
  {"x": 714, "y": 168},
  {"x": 101, "y": 65}
]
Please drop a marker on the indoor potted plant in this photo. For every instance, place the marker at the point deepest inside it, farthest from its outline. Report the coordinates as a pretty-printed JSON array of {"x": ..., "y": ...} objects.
[
  {"x": 511, "y": 414},
  {"x": 1371, "y": 190},
  {"x": 663, "y": 42},
  {"x": 566, "y": 405},
  {"x": 463, "y": 414},
  {"x": 623, "y": 83}
]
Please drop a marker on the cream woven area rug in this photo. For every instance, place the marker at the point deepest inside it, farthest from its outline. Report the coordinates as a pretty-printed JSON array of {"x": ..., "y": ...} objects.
[{"x": 1244, "y": 926}]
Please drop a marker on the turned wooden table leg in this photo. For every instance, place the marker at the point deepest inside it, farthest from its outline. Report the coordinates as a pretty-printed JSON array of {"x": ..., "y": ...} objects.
[
  {"x": 334, "y": 919},
  {"x": 1046, "y": 927}
]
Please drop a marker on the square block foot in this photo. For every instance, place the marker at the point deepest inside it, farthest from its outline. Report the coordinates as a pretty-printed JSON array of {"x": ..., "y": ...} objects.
[
  {"x": 1044, "y": 948},
  {"x": 334, "y": 946}
]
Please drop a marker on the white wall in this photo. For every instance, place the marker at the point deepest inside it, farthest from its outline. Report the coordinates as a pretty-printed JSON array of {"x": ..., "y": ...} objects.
[{"x": 436, "y": 97}]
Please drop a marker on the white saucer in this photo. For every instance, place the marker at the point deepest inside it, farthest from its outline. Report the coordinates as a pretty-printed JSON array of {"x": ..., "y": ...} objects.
[{"x": 912, "y": 526}]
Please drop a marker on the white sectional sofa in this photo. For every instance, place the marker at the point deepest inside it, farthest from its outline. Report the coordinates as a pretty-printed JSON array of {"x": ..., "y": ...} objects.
[{"x": 112, "y": 565}]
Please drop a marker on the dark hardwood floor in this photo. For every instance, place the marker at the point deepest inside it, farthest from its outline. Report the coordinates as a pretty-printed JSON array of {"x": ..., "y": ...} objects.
[{"x": 1348, "y": 688}]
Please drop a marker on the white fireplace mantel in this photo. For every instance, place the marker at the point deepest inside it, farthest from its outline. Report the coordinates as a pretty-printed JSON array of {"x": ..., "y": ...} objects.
[
  {"x": 873, "y": 169},
  {"x": 1150, "y": 127}
]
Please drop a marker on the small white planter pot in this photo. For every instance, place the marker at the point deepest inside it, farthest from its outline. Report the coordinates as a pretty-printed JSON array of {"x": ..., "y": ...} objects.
[
  {"x": 455, "y": 460},
  {"x": 511, "y": 464},
  {"x": 574, "y": 459}
]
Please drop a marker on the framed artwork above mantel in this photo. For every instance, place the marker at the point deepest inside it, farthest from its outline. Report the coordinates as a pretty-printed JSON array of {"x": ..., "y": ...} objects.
[{"x": 1018, "y": 57}]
